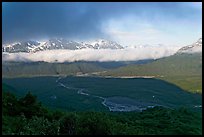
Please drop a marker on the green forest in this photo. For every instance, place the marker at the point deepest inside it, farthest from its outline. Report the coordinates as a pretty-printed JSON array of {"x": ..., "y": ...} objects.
[{"x": 27, "y": 116}]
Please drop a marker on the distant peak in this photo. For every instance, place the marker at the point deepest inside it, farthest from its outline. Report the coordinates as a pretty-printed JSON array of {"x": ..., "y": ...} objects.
[
  {"x": 193, "y": 48},
  {"x": 59, "y": 43}
]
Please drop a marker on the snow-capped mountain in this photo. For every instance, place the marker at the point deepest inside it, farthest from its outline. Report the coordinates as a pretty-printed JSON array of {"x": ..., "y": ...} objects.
[
  {"x": 193, "y": 48},
  {"x": 58, "y": 43},
  {"x": 20, "y": 46},
  {"x": 105, "y": 44}
]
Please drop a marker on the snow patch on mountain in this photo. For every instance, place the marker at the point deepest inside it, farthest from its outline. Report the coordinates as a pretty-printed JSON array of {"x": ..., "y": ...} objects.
[{"x": 193, "y": 48}]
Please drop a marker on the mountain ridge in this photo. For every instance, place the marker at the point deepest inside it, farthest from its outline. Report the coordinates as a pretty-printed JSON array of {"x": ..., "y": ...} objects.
[
  {"x": 193, "y": 48},
  {"x": 58, "y": 43}
]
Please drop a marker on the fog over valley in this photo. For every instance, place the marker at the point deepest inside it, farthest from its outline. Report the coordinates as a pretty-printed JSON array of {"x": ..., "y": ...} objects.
[{"x": 102, "y": 55}]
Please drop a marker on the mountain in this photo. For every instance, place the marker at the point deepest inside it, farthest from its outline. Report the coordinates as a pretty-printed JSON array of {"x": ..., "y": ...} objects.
[
  {"x": 105, "y": 44},
  {"x": 58, "y": 43},
  {"x": 26, "y": 46},
  {"x": 193, "y": 48},
  {"x": 183, "y": 69}
]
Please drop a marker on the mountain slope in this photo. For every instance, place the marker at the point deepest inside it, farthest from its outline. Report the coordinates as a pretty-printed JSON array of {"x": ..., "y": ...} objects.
[
  {"x": 17, "y": 69},
  {"x": 184, "y": 70},
  {"x": 22, "y": 69},
  {"x": 193, "y": 48}
]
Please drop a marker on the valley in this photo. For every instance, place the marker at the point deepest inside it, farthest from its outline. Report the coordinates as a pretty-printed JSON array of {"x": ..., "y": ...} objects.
[
  {"x": 183, "y": 70},
  {"x": 102, "y": 94},
  {"x": 102, "y": 68}
]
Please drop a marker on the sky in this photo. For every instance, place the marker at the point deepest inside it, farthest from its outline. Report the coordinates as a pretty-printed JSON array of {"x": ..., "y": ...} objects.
[{"x": 129, "y": 24}]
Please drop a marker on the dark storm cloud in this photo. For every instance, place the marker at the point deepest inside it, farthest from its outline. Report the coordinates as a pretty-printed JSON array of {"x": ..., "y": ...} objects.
[
  {"x": 22, "y": 21},
  {"x": 36, "y": 20},
  {"x": 71, "y": 20}
]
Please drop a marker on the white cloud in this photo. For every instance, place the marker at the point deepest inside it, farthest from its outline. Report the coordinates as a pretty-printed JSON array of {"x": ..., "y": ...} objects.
[
  {"x": 128, "y": 54},
  {"x": 131, "y": 30},
  {"x": 144, "y": 29}
]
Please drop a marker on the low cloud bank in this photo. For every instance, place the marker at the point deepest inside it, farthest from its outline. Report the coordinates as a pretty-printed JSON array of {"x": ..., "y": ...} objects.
[{"x": 102, "y": 55}]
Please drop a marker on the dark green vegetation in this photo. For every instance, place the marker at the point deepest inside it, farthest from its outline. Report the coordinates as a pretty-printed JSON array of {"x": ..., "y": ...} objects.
[
  {"x": 27, "y": 116},
  {"x": 138, "y": 89},
  {"x": 47, "y": 88},
  {"x": 183, "y": 70}
]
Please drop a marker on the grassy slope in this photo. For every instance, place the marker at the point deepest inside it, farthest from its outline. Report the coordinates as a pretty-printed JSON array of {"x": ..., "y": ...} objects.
[{"x": 183, "y": 70}]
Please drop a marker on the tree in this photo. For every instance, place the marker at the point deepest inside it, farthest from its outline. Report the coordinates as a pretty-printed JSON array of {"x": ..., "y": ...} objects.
[
  {"x": 30, "y": 106},
  {"x": 68, "y": 124},
  {"x": 93, "y": 123},
  {"x": 9, "y": 104}
]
